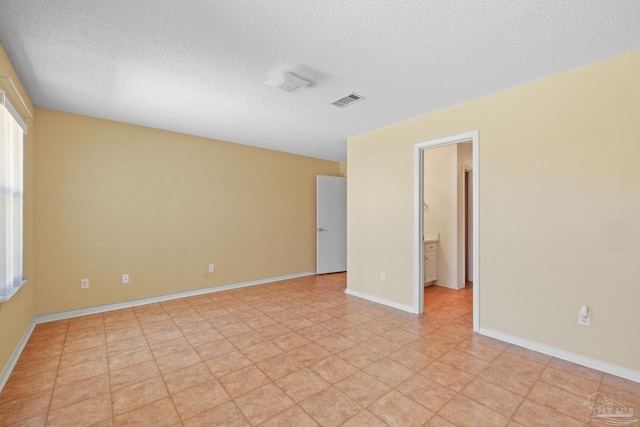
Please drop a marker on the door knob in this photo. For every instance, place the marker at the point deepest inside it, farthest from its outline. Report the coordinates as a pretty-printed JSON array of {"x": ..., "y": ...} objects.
[{"x": 321, "y": 229}]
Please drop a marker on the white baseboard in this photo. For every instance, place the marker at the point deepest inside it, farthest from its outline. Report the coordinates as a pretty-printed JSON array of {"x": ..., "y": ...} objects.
[
  {"x": 6, "y": 372},
  {"x": 378, "y": 300},
  {"x": 128, "y": 304},
  {"x": 564, "y": 355}
]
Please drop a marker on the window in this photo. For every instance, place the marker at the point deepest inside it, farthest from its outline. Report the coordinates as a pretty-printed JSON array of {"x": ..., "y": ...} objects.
[{"x": 12, "y": 128}]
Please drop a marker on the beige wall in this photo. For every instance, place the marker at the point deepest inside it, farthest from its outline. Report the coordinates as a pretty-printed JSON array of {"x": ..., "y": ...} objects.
[
  {"x": 559, "y": 202},
  {"x": 116, "y": 198},
  {"x": 16, "y": 314}
]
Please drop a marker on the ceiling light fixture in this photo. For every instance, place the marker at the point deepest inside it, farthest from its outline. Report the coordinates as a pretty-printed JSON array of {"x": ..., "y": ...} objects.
[{"x": 286, "y": 81}]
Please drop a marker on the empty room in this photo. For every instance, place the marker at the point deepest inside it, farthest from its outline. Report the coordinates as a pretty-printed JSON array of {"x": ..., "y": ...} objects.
[{"x": 359, "y": 213}]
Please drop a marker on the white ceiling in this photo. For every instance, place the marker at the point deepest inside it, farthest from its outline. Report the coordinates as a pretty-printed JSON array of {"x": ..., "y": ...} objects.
[{"x": 199, "y": 67}]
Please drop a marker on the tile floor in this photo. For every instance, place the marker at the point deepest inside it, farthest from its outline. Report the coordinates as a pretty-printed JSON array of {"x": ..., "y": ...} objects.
[{"x": 293, "y": 353}]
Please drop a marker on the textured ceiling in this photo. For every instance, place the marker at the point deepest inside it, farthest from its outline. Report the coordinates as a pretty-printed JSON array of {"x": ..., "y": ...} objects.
[{"x": 199, "y": 67}]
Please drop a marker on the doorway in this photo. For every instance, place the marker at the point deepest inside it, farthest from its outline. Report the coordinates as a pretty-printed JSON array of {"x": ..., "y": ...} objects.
[
  {"x": 419, "y": 219},
  {"x": 331, "y": 224}
]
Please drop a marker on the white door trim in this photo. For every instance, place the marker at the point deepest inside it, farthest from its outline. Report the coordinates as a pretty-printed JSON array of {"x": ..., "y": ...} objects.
[{"x": 418, "y": 296}]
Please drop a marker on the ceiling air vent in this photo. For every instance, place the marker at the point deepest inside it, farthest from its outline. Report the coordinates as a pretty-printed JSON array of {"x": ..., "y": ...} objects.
[{"x": 347, "y": 100}]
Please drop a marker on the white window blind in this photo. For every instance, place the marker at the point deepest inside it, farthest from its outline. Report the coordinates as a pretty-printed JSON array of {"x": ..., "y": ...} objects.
[{"x": 12, "y": 129}]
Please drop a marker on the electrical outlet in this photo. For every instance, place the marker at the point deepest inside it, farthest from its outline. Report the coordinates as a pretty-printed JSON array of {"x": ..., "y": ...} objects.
[
  {"x": 212, "y": 268},
  {"x": 84, "y": 284},
  {"x": 125, "y": 278},
  {"x": 382, "y": 275},
  {"x": 584, "y": 320}
]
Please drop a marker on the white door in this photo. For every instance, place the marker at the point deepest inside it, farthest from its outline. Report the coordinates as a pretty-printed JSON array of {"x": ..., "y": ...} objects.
[{"x": 331, "y": 224}]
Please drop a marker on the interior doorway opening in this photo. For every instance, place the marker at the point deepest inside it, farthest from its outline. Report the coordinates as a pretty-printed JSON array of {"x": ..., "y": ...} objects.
[{"x": 465, "y": 248}]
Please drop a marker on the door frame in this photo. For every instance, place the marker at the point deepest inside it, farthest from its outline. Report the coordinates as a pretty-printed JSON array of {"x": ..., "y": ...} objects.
[
  {"x": 465, "y": 171},
  {"x": 418, "y": 219}
]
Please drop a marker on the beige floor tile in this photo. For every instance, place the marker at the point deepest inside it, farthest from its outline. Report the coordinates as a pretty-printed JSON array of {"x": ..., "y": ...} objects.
[
  {"x": 275, "y": 330},
  {"x": 227, "y": 363},
  {"x": 246, "y": 339},
  {"x": 397, "y": 409},
  {"x": 68, "y": 394},
  {"x": 364, "y": 418},
  {"x": 330, "y": 407},
  {"x": 280, "y": 365},
  {"x": 411, "y": 359},
  {"x": 126, "y": 344},
  {"x": 569, "y": 382},
  {"x": 333, "y": 369},
  {"x": 359, "y": 356},
  {"x": 621, "y": 384},
  {"x": 164, "y": 348},
  {"x": 82, "y": 371},
  {"x": 357, "y": 334},
  {"x": 178, "y": 360},
  {"x": 380, "y": 345},
  {"x": 123, "y": 333},
  {"x": 290, "y": 341},
  {"x": 292, "y": 417},
  {"x": 203, "y": 337},
  {"x": 74, "y": 334},
  {"x": 315, "y": 332},
  {"x": 13, "y": 411},
  {"x": 447, "y": 375},
  {"x": 363, "y": 388},
  {"x": 33, "y": 354},
  {"x": 389, "y": 372},
  {"x": 309, "y": 353},
  {"x": 158, "y": 414},
  {"x": 301, "y": 384},
  {"x": 243, "y": 381},
  {"x": 71, "y": 358},
  {"x": 227, "y": 415},
  {"x": 17, "y": 388},
  {"x": 24, "y": 370},
  {"x": 188, "y": 377},
  {"x": 536, "y": 415},
  {"x": 426, "y": 392},
  {"x": 198, "y": 399},
  {"x": 438, "y": 421},
  {"x": 133, "y": 374},
  {"x": 519, "y": 365},
  {"x": 476, "y": 349},
  {"x": 262, "y": 350},
  {"x": 129, "y": 358},
  {"x": 465, "y": 412},
  {"x": 400, "y": 336},
  {"x": 83, "y": 413},
  {"x": 233, "y": 328},
  {"x": 626, "y": 399},
  {"x": 507, "y": 379},
  {"x": 215, "y": 349},
  {"x": 263, "y": 403},
  {"x": 136, "y": 395},
  {"x": 335, "y": 343},
  {"x": 464, "y": 361},
  {"x": 534, "y": 356},
  {"x": 572, "y": 368},
  {"x": 458, "y": 330},
  {"x": 493, "y": 397},
  {"x": 560, "y": 400}
]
